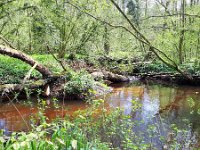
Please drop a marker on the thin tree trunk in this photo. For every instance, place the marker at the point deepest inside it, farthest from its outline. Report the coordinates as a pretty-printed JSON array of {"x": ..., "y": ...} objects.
[
  {"x": 182, "y": 33},
  {"x": 25, "y": 58},
  {"x": 198, "y": 45},
  {"x": 106, "y": 40},
  {"x": 146, "y": 8},
  {"x": 159, "y": 54}
]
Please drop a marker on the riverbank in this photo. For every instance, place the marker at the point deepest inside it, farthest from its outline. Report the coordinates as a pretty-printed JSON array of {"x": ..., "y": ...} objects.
[{"x": 77, "y": 81}]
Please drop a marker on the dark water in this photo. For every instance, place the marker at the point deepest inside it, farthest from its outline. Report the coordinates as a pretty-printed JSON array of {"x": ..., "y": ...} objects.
[{"x": 160, "y": 105}]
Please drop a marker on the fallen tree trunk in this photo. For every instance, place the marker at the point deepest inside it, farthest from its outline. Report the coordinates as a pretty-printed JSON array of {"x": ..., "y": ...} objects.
[
  {"x": 51, "y": 87},
  {"x": 9, "y": 90},
  {"x": 112, "y": 77},
  {"x": 25, "y": 58},
  {"x": 168, "y": 78}
]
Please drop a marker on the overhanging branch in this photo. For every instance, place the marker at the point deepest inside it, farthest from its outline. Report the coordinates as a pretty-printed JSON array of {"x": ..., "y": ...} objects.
[{"x": 169, "y": 62}]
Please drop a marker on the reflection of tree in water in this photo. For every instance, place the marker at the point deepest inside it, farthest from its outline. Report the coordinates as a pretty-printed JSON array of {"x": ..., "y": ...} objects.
[
  {"x": 179, "y": 112},
  {"x": 150, "y": 105},
  {"x": 16, "y": 118},
  {"x": 123, "y": 96},
  {"x": 173, "y": 106}
]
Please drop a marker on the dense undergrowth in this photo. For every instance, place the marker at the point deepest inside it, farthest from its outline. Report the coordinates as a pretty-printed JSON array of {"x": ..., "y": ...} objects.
[
  {"x": 96, "y": 128},
  {"x": 13, "y": 70}
]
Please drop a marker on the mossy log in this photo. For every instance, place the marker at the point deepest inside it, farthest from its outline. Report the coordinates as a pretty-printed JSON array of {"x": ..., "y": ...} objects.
[
  {"x": 110, "y": 77},
  {"x": 50, "y": 87}
]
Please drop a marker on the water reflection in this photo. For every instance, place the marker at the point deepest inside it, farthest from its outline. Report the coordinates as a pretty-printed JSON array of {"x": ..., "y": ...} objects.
[
  {"x": 17, "y": 116},
  {"x": 150, "y": 106},
  {"x": 160, "y": 105}
]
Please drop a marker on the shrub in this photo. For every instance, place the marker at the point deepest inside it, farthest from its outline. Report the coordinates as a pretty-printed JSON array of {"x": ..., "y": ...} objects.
[{"x": 79, "y": 83}]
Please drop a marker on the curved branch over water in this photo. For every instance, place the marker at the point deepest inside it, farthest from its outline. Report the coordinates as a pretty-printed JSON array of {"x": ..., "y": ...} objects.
[{"x": 166, "y": 60}]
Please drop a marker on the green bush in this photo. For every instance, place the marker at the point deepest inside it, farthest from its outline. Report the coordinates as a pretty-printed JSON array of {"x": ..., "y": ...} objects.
[
  {"x": 79, "y": 83},
  {"x": 192, "y": 66},
  {"x": 155, "y": 67}
]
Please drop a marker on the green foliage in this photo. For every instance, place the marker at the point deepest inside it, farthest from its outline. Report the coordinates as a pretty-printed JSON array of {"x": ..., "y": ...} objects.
[
  {"x": 83, "y": 132},
  {"x": 94, "y": 128},
  {"x": 192, "y": 66},
  {"x": 155, "y": 67},
  {"x": 13, "y": 70},
  {"x": 79, "y": 83},
  {"x": 71, "y": 29}
]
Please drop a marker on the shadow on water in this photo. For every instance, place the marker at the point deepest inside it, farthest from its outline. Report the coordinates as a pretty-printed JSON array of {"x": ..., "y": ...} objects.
[{"x": 161, "y": 106}]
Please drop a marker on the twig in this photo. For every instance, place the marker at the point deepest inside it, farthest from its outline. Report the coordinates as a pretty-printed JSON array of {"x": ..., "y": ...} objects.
[
  {"x": 171, "y": 15},
  {"x": 11, "y": 101},
  {"x": 59, "y": 61},
  {"x": 28, "y": 74},
  {"x": 7, "y": 42}
]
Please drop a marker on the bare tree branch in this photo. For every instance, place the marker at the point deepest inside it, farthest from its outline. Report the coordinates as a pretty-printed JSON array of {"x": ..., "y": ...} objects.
[
  {"x": 6, "y": 42},
  {"x": 171, "y": 15},
  {"x": 104, "y": 22},
  {"x": 7, "y": 2},
  {"x": 139, "y": 36},
  {"x": 170, "y": 63},
  {"x": 59, "y": 61}
]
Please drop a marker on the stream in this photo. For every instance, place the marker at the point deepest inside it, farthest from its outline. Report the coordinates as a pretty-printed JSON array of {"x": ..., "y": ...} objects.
[{"x": 160, "y": 105}]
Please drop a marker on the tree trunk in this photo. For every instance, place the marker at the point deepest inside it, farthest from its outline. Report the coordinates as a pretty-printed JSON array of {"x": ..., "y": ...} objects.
[
  {"x": 25, "y": 58},
  {"x": 106, "y": 40},
  {"x": 146, "y": 8},
  {"x": 182, "y": 33},
  {"x": 158, "y": 53}
]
